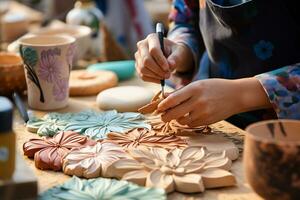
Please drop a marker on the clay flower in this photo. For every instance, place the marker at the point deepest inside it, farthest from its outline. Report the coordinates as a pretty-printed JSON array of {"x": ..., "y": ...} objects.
[
  {"x": 51, "y": 123},
  {"x": 92, "y": 161},
  {"x": 48, "y": 152},
  {"x": 144, "y": 137},
  {"x": 101, "y": 188},
  {"x": 99, "y": 124},
  {"x": 60, "y": 89},
  {"x": 186, "y": 170},
  {"x": 173, "y": 127},
  {"x": 50, "y": 65}
]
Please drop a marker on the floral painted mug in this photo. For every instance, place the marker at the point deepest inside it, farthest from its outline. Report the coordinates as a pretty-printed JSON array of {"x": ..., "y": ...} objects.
[{"x": 47, "y": 62}]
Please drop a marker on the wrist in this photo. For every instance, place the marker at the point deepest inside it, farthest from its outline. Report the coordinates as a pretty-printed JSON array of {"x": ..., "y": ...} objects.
[
  {"x": 187, "y": 64},
  {"x": 251, "y": 95}
]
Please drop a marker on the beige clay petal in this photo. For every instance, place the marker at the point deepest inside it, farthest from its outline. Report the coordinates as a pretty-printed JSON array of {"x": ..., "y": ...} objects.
[
  {"x": 120, "y": 167},
  {"x": 172, "y": 159},
  {"x": 217, "y": 160},
  {"x": 214, "y": 178},
  {"x": 195, "y": 153},
  {"x": 137, "y": 176},
  {"x": 158, "y": 179},
  {"x": 189, "y": 183},
  {"x": 159, "y": 153}
]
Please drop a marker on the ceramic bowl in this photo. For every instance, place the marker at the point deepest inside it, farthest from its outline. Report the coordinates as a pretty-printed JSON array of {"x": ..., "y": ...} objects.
[
  {"x": 80, "y": 33},
  {"x": 9, "y": 22},
  {"x": 12, "y": 77},
  {"x": 272, "y": 158}
]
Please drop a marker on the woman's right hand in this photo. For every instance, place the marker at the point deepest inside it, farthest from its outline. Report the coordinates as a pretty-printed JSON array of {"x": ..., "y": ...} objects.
[{"x": 152, "y": 65}]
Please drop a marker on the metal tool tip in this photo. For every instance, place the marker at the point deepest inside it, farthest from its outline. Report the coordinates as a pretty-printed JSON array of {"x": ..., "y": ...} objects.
[{"x": 159, "y": 27}]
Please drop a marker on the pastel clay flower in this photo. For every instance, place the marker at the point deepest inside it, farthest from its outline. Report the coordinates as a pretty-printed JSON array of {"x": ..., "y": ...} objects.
[
  {"x": 98, "y": 125},
  {"x": 173, "y": 127},
  {"x": 186, "y": 170},
  {"x": 144, "y": 137},
  {"x": 92, "y": 161},
  {"x": 101, "y": 188},
  {"x": 48, "y": 152}
]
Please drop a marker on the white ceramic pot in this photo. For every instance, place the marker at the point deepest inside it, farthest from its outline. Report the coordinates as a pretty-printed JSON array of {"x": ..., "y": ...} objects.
[
  {"x": 80, "y": 33},
  {"x": 47, "y": 62}
]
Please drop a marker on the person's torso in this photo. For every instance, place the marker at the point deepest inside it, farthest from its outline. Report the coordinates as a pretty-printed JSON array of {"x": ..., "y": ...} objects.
[{"x": 247, "y": 38}]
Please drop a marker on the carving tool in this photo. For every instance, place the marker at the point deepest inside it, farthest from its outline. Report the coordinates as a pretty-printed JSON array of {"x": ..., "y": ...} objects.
[
  {"x": 21, "y": 107},
  {"x": 160, "y": 34}
]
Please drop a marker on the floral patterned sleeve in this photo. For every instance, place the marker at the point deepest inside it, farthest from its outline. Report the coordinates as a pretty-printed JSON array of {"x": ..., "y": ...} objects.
[
  {"x": 283, "y": 89},
  {"x": 184, "y": 28}
]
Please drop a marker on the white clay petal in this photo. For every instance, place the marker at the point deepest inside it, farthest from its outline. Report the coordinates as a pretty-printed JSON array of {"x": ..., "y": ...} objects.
[
  {"x": 172, "y": 159},
  {"x": 214, "y": 178},
  {"x": 158, "y": 179},
  {"x": 192, "y": 153},
  {"x": 215, "y": 160},
  {"x": 120, "y": 167},
  {"x": 189, "y": 183},
  {"x": 137, "y": 176}
]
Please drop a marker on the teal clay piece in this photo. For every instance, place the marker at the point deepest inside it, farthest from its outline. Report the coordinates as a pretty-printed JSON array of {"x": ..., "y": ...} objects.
[
  {"x": 124, "y": 69},
  {"x": 101, "y": 189},
  {"x": 94, "y": 124}
]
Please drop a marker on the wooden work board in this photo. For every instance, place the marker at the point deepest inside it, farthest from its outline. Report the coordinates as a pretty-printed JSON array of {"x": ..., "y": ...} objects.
[{"x": 48, "y": 179}]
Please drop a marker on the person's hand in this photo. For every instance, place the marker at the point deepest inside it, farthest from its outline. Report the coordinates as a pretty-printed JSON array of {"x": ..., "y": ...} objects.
[
  {"x": 152, "y": 65},
  {"x": 208, "y": 101}
]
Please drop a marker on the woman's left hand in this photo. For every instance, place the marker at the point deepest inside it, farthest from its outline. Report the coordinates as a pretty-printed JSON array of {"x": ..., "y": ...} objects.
[{"x": 208, "y": 101}]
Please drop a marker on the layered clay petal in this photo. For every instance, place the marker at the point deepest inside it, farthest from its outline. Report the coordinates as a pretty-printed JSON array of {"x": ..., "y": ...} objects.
[
  {"x": 158, "y": 179},
  {"x": 214, "y": 178},
  {"x": 92, "y": 161},
  {"x": 137, "y": 176},
  {"x": 189, "y": 183},
  {"x": 48, "y": 152},
  {"x": 120, "y": 167}
]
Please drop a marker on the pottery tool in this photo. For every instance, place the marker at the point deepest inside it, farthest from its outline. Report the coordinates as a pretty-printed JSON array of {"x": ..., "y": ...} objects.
[
  {"x": 21, "y": 107},
  {"x": 160, "y": 34}
]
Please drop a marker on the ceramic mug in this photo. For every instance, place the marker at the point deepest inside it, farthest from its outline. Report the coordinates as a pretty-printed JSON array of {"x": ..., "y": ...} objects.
[
  {"x": 272, "y": 158},
  {"x": 47, "y": 62}
]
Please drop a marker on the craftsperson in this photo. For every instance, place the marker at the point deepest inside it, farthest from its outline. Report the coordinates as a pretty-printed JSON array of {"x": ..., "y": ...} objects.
[{"x": 250, "y": 61}]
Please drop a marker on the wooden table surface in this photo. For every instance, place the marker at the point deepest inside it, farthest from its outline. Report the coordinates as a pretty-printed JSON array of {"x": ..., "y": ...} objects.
[{"x": 47, "y": 179}]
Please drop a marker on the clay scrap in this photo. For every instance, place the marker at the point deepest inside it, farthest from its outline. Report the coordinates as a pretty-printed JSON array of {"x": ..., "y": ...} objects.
[
  {"x": 101, "y": 188},
  {"x": 92, "y": 161},
  {"x": 188, "y": 170},
  {"x": 143, "y": 137},
  {"x": 48, "y": 152},
  {"x": 94, "y": 124}
]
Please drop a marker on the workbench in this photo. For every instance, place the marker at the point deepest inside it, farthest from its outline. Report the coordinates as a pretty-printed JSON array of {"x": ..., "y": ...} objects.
[{"x": 47, "y": 179}]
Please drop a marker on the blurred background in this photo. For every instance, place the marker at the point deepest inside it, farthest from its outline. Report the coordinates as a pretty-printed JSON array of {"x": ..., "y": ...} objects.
[{"x": 124, "y": 22}]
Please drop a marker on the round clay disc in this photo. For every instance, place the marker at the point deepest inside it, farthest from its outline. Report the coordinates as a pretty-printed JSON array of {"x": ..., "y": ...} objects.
[
  {"x": 124, "y": 98},
  {"x": 84, "y": 83}
]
